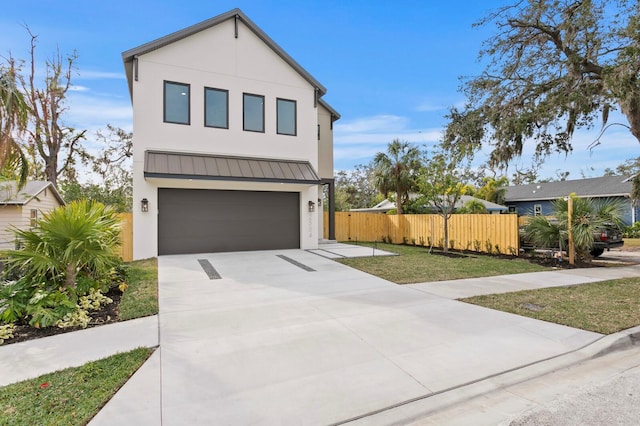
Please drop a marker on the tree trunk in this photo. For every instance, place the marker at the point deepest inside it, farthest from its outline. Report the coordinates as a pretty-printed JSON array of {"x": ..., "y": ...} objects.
[
  {"x": 398, "y": 203},
  {"x": 631, "y": 110},
  {"x": 445, "y": 243},
  {"x": 70, "y": 279}
]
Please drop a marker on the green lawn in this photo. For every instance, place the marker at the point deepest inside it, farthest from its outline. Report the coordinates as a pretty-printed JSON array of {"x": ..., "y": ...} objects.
[
  {"x": 141, "y": 297},
  {"x": 604, "y": 307},
  {"x": 415, "y": 265},
  {"x": 631, "y": 242},
  {"x": 68, "y": 397}
]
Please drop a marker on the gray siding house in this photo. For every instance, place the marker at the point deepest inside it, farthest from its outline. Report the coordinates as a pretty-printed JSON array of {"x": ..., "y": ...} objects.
[{"x": 535, "y": 199}]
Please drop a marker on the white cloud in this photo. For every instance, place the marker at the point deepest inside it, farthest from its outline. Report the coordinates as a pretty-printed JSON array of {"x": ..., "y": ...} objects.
[
  {"x": 100, "y": 75},
  {"x": 430, "y": 107},
  {"x": 373, "y": 124},
  {"x": 77, "y": 88}
]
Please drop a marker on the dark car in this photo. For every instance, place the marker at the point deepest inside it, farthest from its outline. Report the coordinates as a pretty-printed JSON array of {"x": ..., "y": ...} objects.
[{"x": 605, "y": 238}]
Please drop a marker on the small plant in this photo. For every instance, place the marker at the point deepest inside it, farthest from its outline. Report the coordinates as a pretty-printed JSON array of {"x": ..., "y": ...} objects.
[
  {"x": 468, "y": 247},
  {"x": 488, "y": 246},
  {"x": 452, "y": 244},
  {"x": 413, "y": 241},
  {"x": 429, "y": 242},
  {"x": 440, "y": 242},
  {"x": 389, "y": 239},
  {"x": 497, "y": 248},
  {"x": 512, "y": 251},
  {"x": 94, "y": 300},
  {"x": 405, "y": 240},
  {"x": 384, "y": 239},
  {"x": 422, "y": 241},
  {"x": 6, "y": 332},
  {"x": 78, "y": 318},
  {"x": 477, "y": 246}
]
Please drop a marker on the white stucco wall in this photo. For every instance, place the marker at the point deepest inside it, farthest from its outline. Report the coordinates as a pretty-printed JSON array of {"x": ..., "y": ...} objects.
[{"x": 215, "y": 58}]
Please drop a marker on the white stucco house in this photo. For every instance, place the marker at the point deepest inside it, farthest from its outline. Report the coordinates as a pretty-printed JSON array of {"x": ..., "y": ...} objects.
[
  {"x": 22, "y": 208},
  {"x": 232, "y": 142}
]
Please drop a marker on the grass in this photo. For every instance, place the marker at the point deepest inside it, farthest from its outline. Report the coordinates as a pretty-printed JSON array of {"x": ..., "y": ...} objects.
[
  {"x": 68, "y": 397},
  {"x": 631, "y": 242},
  {"x": 141, "y": 297},
  {"x": 604, "y": 307},
  {"x": 415, "y": 265}
]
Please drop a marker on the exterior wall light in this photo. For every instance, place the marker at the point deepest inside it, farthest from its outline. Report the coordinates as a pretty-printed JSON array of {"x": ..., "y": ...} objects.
[
  {"x": 144, "y": 205},
  {"x": 312, "y": 206}
]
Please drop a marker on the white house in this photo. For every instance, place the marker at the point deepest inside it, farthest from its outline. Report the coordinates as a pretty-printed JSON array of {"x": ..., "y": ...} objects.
[
  {"x": 21, "y": 208},
  {"x": 232, "y": 143}
]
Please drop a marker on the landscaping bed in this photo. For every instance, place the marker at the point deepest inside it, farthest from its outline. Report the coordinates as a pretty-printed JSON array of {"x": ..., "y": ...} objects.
[{"x": 138, "y": 300}]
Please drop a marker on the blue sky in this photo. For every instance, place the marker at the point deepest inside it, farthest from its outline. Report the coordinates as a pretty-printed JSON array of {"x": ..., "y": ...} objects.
[{"x": 391, "y": 68}]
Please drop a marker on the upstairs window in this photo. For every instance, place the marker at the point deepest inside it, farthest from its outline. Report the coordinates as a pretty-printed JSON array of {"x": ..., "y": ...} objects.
[
  {"x": 286, "y": 117},
  {"x": 216, "y": 108},
  {"x": 253, "y": 113},
  {"x": 176, "y": 103}
]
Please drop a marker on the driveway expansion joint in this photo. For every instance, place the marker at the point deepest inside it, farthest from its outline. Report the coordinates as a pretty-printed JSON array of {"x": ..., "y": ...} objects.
[{"x": 296, "y": 263}]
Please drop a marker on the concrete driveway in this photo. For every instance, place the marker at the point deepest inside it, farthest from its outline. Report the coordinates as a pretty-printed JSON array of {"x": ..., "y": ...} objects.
[{"x": 290, "y": 337}]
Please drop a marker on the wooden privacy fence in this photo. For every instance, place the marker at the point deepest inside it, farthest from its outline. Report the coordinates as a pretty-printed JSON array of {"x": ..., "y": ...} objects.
[
  {"x": 126, "y": 236},
  {"x": 487, "y": 233}
]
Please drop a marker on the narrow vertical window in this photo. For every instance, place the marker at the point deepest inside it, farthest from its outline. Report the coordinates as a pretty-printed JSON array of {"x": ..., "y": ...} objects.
[
  {"x": 253, "y": 113},
  {"x": 176, "y": 103},
  {"x": 286, "y": 116},
  {"x": 216, "y": 108},
  {"x": 33, "y": 219}
]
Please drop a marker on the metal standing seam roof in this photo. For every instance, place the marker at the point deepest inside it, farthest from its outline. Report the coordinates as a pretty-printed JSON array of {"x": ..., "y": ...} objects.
[
  {"x": 605, "y": 186},
  {"x": 176, "y": 165}
]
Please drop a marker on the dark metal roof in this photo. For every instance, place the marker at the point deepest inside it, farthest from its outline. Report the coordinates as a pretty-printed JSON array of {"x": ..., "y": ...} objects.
[
  {"x": 129, "y": 55},
  {"x": 179, "y": 165},
  {"x": 605, "y": 186}
]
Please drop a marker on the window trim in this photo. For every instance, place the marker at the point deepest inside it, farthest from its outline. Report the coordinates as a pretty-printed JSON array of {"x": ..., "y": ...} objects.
[
  {"x": 164, "y": 102},
  {"x": 295, "y": 117},
  {"x": 33, "y": 218},
  {"x": 226, "y": 92},
  {"x": 537, "y": 209},
  {"x": 244, "y": 123}
]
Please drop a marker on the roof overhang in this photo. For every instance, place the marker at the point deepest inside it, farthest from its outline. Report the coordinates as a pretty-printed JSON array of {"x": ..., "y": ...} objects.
[
  {"x": 130, "y": 55},
  {"x": 179, "y": 165}
]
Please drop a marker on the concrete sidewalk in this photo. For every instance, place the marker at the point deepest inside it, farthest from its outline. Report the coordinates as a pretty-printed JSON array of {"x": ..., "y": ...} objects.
[
  {"x": 457, "y": 289},
  {"x": 30, "y": 359}
]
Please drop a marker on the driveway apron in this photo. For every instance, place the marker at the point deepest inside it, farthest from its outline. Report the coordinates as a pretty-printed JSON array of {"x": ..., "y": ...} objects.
[{"x": 290, "y": 337}]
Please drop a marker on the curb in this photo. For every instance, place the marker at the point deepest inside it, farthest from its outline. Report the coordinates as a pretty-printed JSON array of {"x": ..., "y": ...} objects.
[{"x": 430, "y": 404}]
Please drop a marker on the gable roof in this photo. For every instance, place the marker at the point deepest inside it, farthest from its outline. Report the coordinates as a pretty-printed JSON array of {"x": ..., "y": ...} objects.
[
  {"x": 605, "y": 186},
  {"x": 129, "y": 55},
  {"x": 386, "y": 205},
  {"x": 10, "y": 195}
]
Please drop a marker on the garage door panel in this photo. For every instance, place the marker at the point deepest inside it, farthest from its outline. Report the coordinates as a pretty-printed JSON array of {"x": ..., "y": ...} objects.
[{"x": 198, "y": 221}]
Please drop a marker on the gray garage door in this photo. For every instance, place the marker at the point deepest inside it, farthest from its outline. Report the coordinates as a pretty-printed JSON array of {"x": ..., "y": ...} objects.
[{"x": 206, "y": 221}]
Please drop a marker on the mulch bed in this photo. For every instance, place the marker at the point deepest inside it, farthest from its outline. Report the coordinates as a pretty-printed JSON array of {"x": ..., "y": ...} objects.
[
  {"x": 539, "y": 259},
  {"x": 105, "y": 315}
]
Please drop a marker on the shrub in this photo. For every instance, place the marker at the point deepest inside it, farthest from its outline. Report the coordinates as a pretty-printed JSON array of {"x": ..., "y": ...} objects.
[
  {"x": 64, "y": 262},
  {"x": 6, "y": 332}
]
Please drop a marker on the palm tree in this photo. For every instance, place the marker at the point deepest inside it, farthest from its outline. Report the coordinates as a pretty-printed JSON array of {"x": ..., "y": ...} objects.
[
  {"x": 396, "y": 171},
  {"x": 14, "y": 114},
  {"x": 79, "y": 238},
  {"x": 588, "y": 216}
]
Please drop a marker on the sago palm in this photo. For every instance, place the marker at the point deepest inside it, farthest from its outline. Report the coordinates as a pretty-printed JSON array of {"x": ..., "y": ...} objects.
[{"x": 81, "y": 237}]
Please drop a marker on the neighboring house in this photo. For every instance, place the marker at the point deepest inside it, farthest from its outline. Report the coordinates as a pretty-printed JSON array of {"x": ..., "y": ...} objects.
[
  {"x": 385, "y": 205},
  {"x": 22, "y": 208},
  {"x": 232, "y": 143},
  {"x": 535, "y": 199}
]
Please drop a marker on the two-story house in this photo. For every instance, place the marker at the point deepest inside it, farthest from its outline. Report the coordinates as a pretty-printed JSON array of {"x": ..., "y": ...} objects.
[{"x": 232, "y": 143}]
